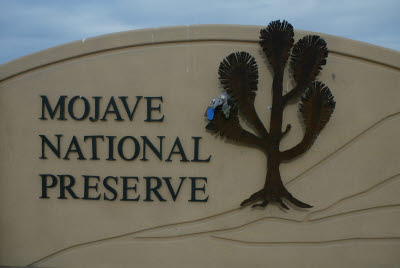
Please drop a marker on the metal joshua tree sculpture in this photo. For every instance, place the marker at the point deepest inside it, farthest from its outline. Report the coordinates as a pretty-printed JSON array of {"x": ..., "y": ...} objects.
[{"x": 238, "y": 74}]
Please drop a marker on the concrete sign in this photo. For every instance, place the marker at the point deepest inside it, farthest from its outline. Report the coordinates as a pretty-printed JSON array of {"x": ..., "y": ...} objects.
[{"x": 105, "y": 160}]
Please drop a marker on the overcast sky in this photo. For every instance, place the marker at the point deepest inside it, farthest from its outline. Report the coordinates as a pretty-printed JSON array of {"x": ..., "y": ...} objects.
[{"x": 28, "y": 26}]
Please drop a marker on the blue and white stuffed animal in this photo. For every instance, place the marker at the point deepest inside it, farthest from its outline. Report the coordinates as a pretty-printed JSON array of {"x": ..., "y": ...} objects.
[{"x": 218, "y": 101}]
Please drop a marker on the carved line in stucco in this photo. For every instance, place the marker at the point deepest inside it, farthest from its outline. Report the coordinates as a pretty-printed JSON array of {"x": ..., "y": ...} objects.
[
  {"x": 375, "y": 125},
  {"x": 127, "y": 234},
  {"x": 337, "y": 53},
  {"x": 357, "y": 211},
  {"x": 364, "y": 192},
  {"x": 220, "y": 230},
  {"x": 308, "y": 243},
  {"x": 238, "y": 228},
  {"x": 275, "y": 219},
  {"x": 94, "y": 53},
  {"x": 283, "y": 243},
  {"x": 307, "y": 217}
]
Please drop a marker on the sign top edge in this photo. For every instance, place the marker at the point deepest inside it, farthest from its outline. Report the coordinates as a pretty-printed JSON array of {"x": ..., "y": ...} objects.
[{"x": 180, "y": 34}]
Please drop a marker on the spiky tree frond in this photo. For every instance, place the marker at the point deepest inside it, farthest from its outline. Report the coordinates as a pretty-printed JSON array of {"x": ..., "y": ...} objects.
[
  {"x": 276, "y": 41},
  {"x": 316, "y": 108},
  {"x": 238, "y": 74},
  {"x": 308, "y": 56}
]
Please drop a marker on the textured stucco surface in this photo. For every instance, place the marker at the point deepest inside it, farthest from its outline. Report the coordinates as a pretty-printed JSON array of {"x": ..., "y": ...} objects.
[{"x": 351, "y": 175}]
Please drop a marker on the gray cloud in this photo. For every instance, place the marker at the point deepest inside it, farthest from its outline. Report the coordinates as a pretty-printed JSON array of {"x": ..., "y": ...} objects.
[{"x": 29, "y": 26}]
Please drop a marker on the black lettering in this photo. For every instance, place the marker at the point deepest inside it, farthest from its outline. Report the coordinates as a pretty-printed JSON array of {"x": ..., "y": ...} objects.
[
  {"x": 150, "y": 108},
  {"x": 114, "y": 110},
  {"x": 154, "y": 189},
  {"x": 71, "y": 108},
  {"x": 180, "y": 151},
  {"x": 59, "y": 106},
  {"x": 195, "y": 189},
  {"x": 126, "y": 106},
  {"x": 109, "y": 188},
  {"x": 87, "y": 187},
  {"x": 94, "y": 145},
  {"x": 146, "y": 141},
  {"x": 174, "y": 194},
  {"x": 67, "y": 187},
  {"x": 96, "y": 109},
  {"x": 125, "y": 189},
  {"x": 55, "y": 150},
  {"x": 110, "y": 148},
  {"x": 196, "y": 157},
  {"x": 121, "y": 148},
  {"x": 46, "y": 186},
  {"x": 74, "y": 148}
]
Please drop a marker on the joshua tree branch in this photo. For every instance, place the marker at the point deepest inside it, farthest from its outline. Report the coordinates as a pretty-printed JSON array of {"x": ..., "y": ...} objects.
[
  {"x": 308, "y": 56},
  {"x": 254, "y": 120},
  {"x": 230, "y": 129},
  {"x": 299, "y": 149},
  {"x": 288, "y": 128},
  {"x": 295, "y": 92},
  {"x": 238, "y": 74},
  {"x": 248, "y": 138},
  {"x": 316, "y": 108}
]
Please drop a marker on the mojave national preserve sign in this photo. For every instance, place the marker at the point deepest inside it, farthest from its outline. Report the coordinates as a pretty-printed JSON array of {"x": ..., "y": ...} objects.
[{"x": 105, "y": 159}]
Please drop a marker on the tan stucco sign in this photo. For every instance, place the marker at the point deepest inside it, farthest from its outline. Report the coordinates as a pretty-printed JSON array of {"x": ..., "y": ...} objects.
[{"x": 105, "y": 160}]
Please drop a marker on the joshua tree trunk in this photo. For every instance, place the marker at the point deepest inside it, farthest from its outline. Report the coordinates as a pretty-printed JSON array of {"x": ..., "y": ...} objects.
[{"x": 274, "y": 190}]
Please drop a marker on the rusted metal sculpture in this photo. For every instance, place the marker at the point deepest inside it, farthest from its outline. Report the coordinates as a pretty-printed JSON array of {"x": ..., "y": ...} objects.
[{"x": 238, "y": 74}]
